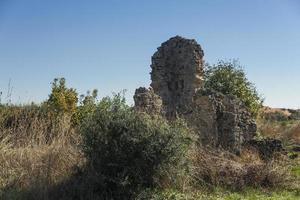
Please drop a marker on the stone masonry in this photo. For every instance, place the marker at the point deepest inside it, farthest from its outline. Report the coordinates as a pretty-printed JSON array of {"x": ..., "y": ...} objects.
[
  {"x": 147, "y": 101},
  {"x": 177, "y": 90},
  {"x": 177, "y": 71},
  {"x": 221, "y": 120}
]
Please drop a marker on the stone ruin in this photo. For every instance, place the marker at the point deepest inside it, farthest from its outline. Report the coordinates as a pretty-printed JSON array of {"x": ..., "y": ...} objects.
[
  {"x": 221, "y": 120},
  {"x": 147, "y": 101},
  {"x": 177, "y": 90},
  {"x": 177, "y": 71}
]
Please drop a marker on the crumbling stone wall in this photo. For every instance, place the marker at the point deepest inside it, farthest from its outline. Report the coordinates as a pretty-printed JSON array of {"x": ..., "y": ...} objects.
[
  {"x": 177, "y": 71},
  {"x": 177, "y": 82},
  {"x": 147, "y": 101},
  {"x": 221, "y": 120}
]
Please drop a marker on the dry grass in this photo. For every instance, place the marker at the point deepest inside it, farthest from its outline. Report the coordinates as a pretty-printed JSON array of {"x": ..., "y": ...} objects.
[
  {"x": 288, "y": 132},
  {"x": 39, "y": 152},
  {"x": 218, "y": 168},
  {"x": 36, "y": 153}
]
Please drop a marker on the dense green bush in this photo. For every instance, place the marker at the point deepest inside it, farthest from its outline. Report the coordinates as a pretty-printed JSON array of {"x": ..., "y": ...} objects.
[
  {"x": 230, "y": 78},
  {"x": 129, "y": 151}
]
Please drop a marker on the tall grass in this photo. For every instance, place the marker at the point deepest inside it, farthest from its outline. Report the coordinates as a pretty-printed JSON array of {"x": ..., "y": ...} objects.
[
  {"x": 41, "y": 157},
  {"x": 37, "y": 151},
  {"x": 288, "y": 131},
  {"x": 213, "y": 168}
]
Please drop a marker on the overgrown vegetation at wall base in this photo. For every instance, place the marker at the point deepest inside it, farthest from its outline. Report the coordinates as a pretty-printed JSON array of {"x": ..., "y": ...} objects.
[{"x": 84, "y": 148}]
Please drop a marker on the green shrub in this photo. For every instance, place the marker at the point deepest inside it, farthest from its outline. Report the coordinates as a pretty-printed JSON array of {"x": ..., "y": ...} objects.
[
  {"x": 129, "y": 151},
  {"x": 230, "y": 78},
  {"x": 62, "y": 99},
  {"x": 87, "y": 105}
]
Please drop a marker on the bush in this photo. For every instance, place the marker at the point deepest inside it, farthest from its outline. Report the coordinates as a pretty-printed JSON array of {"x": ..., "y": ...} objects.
[
  {"x": 87, "y": 105},
  {"x": 129, "y": 151},
  {"x": 62, "y": 99},
  {"x": 230, "y": 78}
]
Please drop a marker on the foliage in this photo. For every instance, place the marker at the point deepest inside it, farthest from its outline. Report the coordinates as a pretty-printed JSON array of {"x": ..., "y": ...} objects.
[
  {"x": 62, "y": 99},
  {"x": 128, "y": 150},
  {"x": 230, "y": 78},
  {"x": 87, "y": 105}
]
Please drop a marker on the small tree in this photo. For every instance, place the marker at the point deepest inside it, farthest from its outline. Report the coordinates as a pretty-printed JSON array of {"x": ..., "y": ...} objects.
[
  {"x": 62, "y": 99},
  {"x": 230, "y": 78}
]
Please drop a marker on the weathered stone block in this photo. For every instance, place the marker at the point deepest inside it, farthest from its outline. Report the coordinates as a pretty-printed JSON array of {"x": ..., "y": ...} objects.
[{"x": 147, "y": 101}]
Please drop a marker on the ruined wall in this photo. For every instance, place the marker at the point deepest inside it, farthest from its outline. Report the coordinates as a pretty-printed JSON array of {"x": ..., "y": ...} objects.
[
  {"x": 222, "y": 120},
  {"x": 177, "y": 81},
  {"x": 147, "y": 101},
  {"x": 177, "y": 71}
]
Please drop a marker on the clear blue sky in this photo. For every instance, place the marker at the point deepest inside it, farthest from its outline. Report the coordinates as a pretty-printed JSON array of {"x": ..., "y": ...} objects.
[{"x": 108, "y": 44}]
